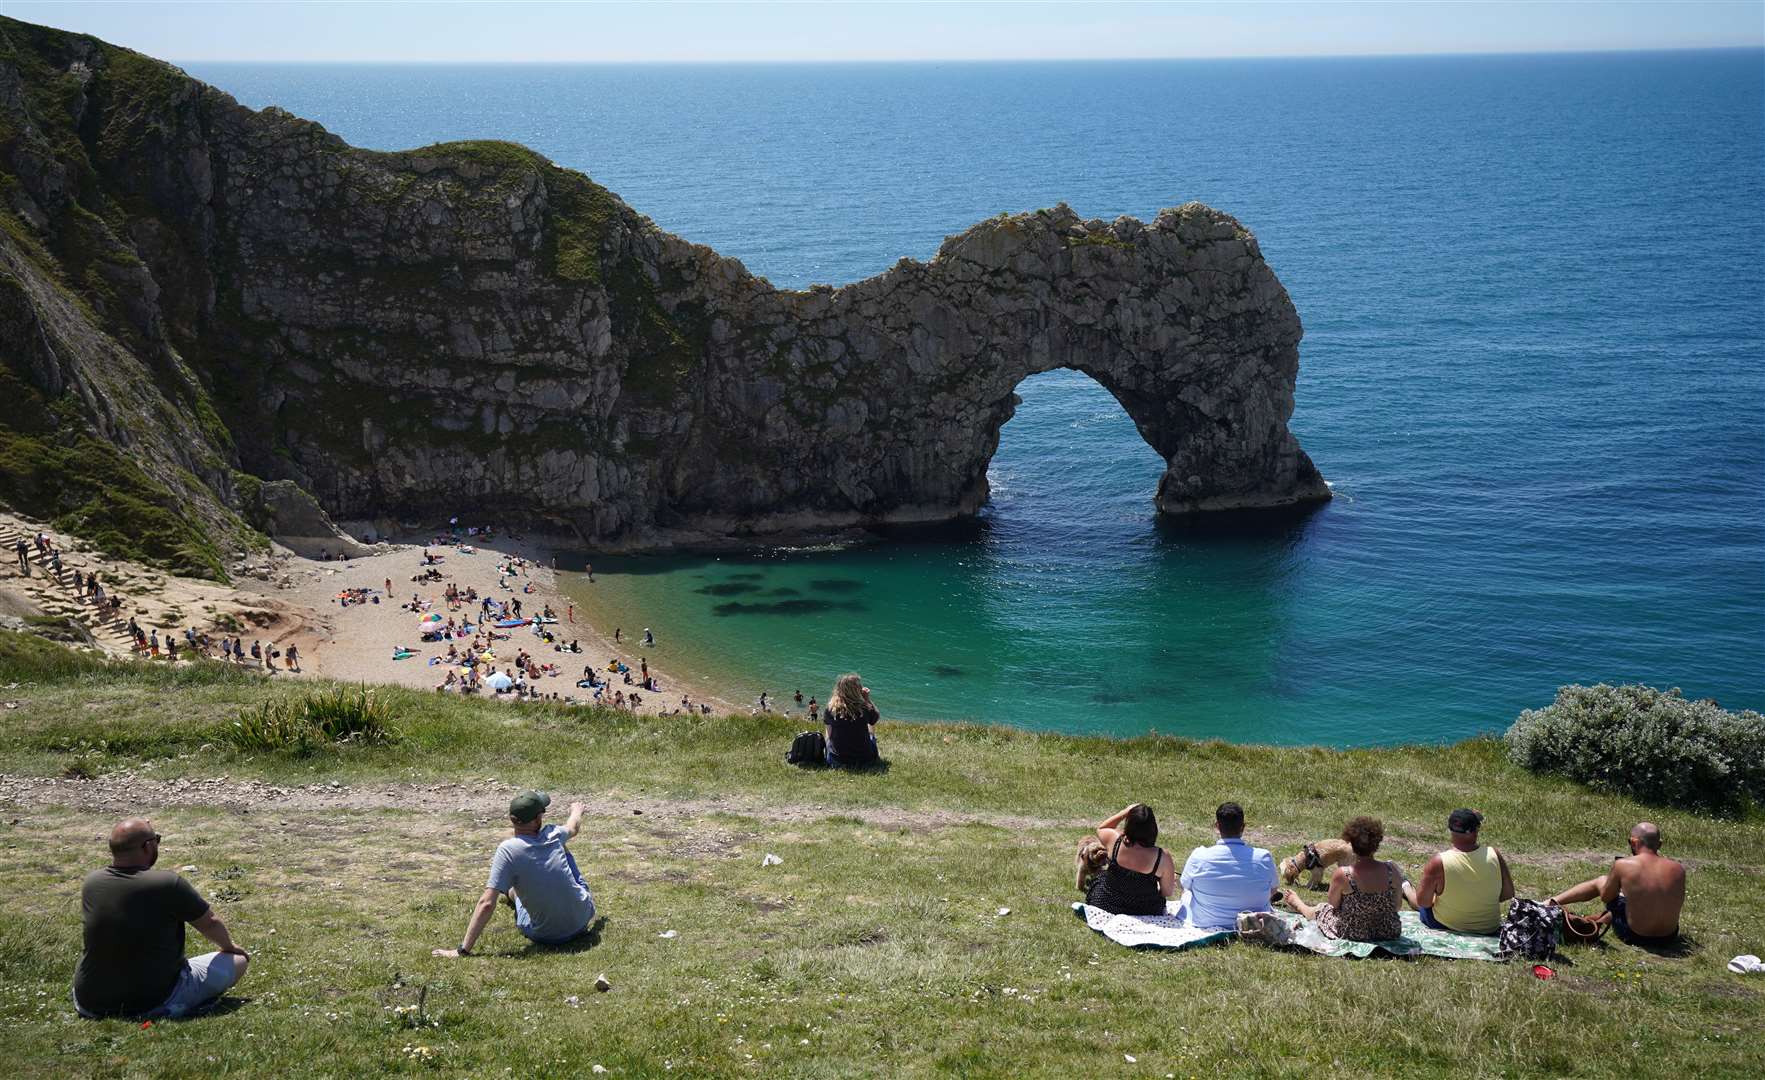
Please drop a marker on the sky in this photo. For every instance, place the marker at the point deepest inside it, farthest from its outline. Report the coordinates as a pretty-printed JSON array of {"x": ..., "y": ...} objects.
[{"x": 830, "y": 30}]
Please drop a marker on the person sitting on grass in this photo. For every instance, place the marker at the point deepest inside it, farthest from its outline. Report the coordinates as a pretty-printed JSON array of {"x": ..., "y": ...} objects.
[
  {"x": 1464, "y": 887},
  {"x": 1364, "y": 898},
  {"x": 537, "y": 874},
  {"x": 849, "y": 722},
  {"x": 1222, "y": 880},
  {"x": 1644, "y": 894},
  {"x": 133, "y": 915},
  {"x": 1138, "y": 878}
]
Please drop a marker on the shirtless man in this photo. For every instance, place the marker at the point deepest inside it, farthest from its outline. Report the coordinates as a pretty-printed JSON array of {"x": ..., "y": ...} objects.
[{"x": 1643, "y": 894}]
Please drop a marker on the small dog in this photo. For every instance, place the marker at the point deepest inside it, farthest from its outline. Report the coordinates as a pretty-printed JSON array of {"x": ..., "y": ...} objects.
[
  {"x": 1317, "y": 858},
  {"x": 1089, "y": 861}
]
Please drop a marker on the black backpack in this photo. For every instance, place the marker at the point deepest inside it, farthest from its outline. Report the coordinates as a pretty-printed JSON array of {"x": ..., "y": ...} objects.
[
  {"x": 808, "y": 748},
  {"x": 1530, "y": 930}
]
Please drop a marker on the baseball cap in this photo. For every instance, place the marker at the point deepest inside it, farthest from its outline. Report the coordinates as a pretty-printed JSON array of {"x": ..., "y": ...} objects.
[
  {"x": 529, "y": 805},
  {"x": 1464, "y": 821}
]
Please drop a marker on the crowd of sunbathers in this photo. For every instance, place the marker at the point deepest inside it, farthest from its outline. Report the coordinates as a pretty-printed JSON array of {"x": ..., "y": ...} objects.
[{"x": 1122, "y": 870}]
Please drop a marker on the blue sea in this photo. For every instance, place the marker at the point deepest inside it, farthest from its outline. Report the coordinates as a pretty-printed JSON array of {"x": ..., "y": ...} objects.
[{"x": 1534, "y": 371}]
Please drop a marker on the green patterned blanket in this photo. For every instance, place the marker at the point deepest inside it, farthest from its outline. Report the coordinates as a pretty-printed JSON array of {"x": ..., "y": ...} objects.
[{"x": 1415, "y": 940}]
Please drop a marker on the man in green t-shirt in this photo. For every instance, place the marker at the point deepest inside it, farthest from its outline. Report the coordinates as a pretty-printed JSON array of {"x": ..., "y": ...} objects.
[{"x": 134, "y": 920}]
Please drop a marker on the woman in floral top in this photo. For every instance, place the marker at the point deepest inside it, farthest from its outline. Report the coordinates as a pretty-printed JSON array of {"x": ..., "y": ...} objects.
[{"x": 1364, "y": 898}]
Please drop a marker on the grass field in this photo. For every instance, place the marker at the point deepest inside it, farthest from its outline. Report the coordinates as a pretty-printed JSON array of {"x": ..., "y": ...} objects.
[{"x": 875, "y": 949}]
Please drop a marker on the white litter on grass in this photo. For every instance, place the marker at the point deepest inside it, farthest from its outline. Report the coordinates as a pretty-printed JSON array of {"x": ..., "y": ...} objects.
[
  {"x": 599, "y": 1069},
  {"x": 668, "y": 934},
  {"x": 1747, "y": 964},
  {"x": 573, "y": 1001},
  {"x": 1129, "y": 1058},
  {"x": 1004, "y": 911},
  {"x": 191, "y": 869},
  {"x": 771, "y": 860}
]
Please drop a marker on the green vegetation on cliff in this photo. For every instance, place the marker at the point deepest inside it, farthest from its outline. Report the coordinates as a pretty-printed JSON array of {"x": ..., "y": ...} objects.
[
  {"x": 876, "y": 947},
  {"x": 87, "y": 487},
  {"x": 92, "y": 112}
]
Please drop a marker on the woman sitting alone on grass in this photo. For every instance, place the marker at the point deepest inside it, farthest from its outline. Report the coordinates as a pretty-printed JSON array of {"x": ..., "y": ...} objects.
[
  {"x": 1138, "y": 878},
  {"x": 1364, "y": 898},
  {"x": 850, "y": 718}
]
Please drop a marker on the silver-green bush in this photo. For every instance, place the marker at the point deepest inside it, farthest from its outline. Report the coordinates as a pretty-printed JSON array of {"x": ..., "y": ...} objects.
[{"x": 1654, "y": 745}]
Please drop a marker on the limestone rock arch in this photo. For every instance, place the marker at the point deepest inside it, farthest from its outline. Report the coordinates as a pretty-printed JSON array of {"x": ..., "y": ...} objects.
[{"x": 902, "y": 382}]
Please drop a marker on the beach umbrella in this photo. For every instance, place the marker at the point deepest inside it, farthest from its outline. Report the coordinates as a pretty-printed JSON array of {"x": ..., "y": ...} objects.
[
  {"x": 431, "y": 617},
  {"x": 499, "y": 681}
]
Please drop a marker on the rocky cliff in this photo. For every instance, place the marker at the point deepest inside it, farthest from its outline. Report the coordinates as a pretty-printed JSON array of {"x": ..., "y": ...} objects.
[{"x": 195, "y": 297}]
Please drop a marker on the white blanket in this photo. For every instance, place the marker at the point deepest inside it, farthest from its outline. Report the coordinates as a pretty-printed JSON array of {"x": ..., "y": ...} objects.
[{"x": 1147, "y": 931}]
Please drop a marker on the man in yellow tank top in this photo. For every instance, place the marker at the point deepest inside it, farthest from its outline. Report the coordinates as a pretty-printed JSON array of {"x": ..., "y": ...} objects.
[{"x": 1464, "y": 887}]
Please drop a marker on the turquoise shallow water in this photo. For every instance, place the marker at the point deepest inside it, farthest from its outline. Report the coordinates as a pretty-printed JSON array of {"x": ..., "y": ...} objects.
[{"x": 1534, "y": 370}]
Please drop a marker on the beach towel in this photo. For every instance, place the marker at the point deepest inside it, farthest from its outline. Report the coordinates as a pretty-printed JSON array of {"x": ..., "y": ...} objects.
[
  {"x": 1147, "y": 931},
  {"x": 508, "y": 623},
  {"x": 403, "y": 655},
  {"x": 1414, "y": 940}
]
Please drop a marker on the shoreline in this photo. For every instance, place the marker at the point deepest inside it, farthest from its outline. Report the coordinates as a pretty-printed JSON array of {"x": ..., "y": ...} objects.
[
  {"x": 355, "y": 643},
  {"x": 282, "y": 599}
]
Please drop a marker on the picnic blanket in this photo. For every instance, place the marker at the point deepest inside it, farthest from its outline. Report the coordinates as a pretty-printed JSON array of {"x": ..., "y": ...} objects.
[
  {"x": 507, "y": 624},
  {"x": 1415, "y": 940},
  {"x": 1148, "y": 931}
]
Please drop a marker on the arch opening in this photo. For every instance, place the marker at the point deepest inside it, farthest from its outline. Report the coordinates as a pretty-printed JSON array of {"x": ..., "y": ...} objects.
[{"x": 1069, "y": 456}]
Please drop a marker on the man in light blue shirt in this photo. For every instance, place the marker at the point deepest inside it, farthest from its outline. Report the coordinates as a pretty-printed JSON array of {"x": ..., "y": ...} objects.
[
  {"x": 538, "y": 874},
  {"x": 1226, "y": 878}
]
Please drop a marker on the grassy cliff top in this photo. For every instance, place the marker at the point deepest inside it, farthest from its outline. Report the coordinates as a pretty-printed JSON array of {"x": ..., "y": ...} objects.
[{"x": 876, "y": 948}]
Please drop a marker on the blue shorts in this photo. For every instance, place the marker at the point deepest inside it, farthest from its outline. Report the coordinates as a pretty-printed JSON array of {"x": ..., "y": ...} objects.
[
  {"x": 524, "y": 923},
  {"x": 1621, "y": 926},
  {"x": 1426, "y": 915}
]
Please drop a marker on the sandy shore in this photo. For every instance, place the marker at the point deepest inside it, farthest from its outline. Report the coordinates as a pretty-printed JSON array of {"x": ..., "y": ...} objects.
[
  {"x": 284, "y": 599},
  {"x": 357, "y": 642}
]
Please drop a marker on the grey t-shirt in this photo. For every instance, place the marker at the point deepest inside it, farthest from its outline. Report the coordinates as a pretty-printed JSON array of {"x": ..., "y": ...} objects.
[{"x": 544, "y": 877}]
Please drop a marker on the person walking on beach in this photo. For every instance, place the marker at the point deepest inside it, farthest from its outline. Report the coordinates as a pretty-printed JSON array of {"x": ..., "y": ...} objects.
[
  {"x": 294, "y": 658},
  {"x": 536, "y": 871},
  {"x": 133, "y": 919},
  {"x": 24, "y": 556},
  {"x": 616, "y": 633},
  {"x": 572, "y": 612}
]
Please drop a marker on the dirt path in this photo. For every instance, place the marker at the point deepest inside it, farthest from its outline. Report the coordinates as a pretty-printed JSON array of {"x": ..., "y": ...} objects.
[{"x": 127, "y": 793}]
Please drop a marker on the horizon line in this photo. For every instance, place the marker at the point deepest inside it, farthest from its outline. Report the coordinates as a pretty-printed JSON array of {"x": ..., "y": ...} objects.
[{"x": 710, "y": 61}]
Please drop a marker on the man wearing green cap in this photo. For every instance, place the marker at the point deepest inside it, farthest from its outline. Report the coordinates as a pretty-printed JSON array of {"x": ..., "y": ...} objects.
[{"x": 537, "y": 873}]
